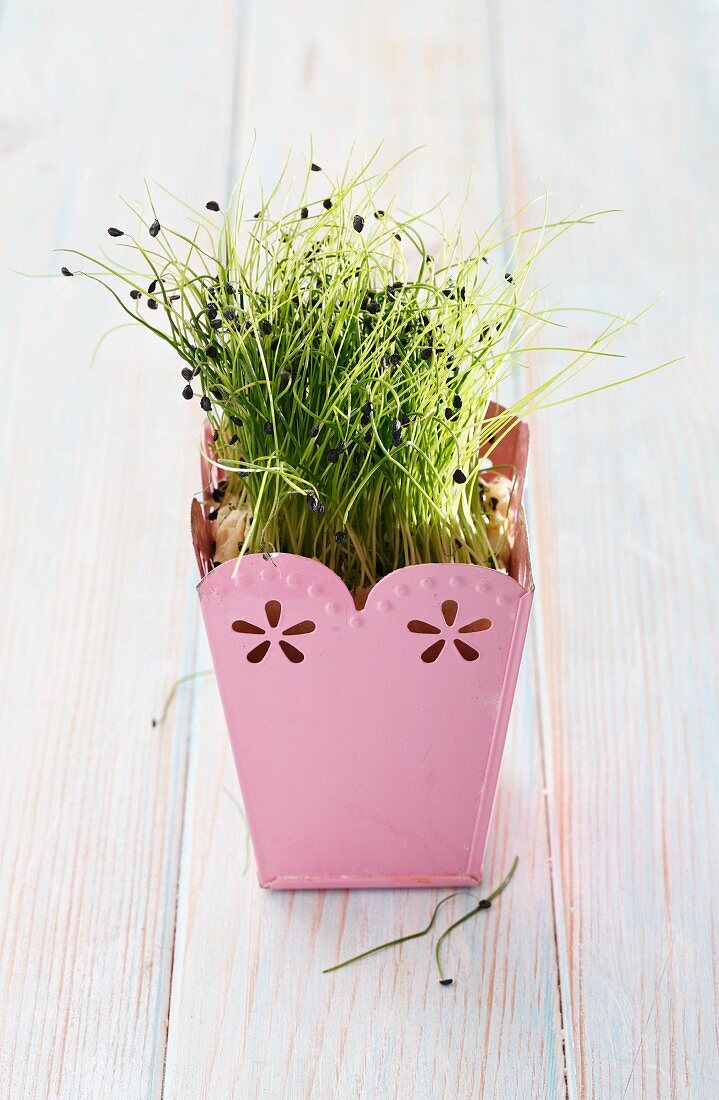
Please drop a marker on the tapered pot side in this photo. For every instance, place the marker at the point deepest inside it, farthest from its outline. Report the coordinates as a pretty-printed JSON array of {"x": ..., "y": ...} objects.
[{"x": 368, "y": 742}]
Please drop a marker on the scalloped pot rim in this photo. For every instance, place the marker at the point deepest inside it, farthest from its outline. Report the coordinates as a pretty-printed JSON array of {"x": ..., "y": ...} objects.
[{"x": 292, "y": 563}]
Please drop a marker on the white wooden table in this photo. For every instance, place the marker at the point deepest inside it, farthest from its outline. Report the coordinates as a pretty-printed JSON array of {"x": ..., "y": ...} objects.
[{"x": 138, "y": 957}]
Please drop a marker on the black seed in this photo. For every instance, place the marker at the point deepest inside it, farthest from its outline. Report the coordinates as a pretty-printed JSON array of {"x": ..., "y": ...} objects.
[
  {"x": 315, "y": 504},
  {"x": 396, "y": 433},
  {"x": 266, "y": 327},
  {"x": 429, "y": 259},
  {"x": 304, "y": 212},
  {"x": 448, "y": 293},
  {"x": 333, "y": 454},
  {"x": 358, "y": 223},
  {"x": 236, "y": 420},
  {"x": 485, "y": 903},
  {"x": 174, "y": 297},
  {"x": 115, "y": 232},
  {"x": 215, "y": 436},
  {"x": 211, "y": 311},
  {"x": 205, "y": 403},
  {"x": 135, "y": 294},
  {"x": 187, "y": 393},
  {"x": 397, "y": 237},
  {"x": 213, "y": 513},
  {"x": 315, "y": 167},
  {"x": 256, "y": 216},
  {"x": 216, "y": 392},
  {"x": 234, "y": 439},
  {"x": 216, "y": 324},
  {"x": 187, "y": 373},
  {"x": 446, "y": 981},
  {"x": 285, "y": 377},
  {"x": 267, "y": 427},
  {"x": 394, "y": 358},
  {"x": 484, "y": 332},
  {"x": 463, "y": 293},
  {"x": 155, "y": 228},
  {"x": 229, "y": 289},
  {"x": 397, "y": 286},
  {"x": 459, "y": 477},
  {"x": 218, "y": 493},
  {"x": 448, "y": 414},
  {"x": 373, "y": 307},
  {"x": 212, "y": 205},
  {"x": 508, "y": 277},
  {"x": 211, "y": 351},
  {"x": 152, "y": 287},
  {"x": 229, "y": 314},
  {"x": 151, "y": 303},
  {"x": 327, "y": 203},
  {"x": 457, "y": 401},
  {"x": 314, "y": 431},
  {"x": 341, "y": 537},
  {"x": 426, "y": 353},
  {"x": 66, "y": 271}
]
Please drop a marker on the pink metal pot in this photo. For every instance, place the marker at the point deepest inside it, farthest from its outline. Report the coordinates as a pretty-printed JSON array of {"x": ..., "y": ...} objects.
[{"x": 368, "y": 743}]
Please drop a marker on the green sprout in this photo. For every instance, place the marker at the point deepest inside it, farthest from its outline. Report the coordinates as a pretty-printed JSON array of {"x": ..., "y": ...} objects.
[
  {"x": 482, "y": 904},
  {"x": 345, "y": 353}
]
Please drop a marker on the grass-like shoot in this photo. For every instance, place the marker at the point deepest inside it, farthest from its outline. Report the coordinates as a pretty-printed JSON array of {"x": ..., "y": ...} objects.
[{"x": 345, "y": 353}]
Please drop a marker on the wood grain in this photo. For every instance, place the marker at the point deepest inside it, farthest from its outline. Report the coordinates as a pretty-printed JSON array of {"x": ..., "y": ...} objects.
[
  {"x": 138, "y": 957},
  {"x": 94, "y": 570},
  {"x": 626, "y": 631}
]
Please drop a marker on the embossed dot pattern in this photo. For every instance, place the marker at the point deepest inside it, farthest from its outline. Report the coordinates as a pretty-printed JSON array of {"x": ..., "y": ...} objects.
[{"x": 450, "y": 632}]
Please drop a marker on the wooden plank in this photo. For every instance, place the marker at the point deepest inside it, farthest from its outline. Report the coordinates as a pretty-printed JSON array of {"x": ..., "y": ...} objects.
[
  {"x": 615, "y": 105},
  {"x": 251, "y": 1012},
  {"x": 94, "y": 569}
]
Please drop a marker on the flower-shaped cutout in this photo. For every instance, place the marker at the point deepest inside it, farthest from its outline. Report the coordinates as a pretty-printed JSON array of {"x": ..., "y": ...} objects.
[
  {"x": 449, "y": 614},
  {"x": 273, "y": 611}
]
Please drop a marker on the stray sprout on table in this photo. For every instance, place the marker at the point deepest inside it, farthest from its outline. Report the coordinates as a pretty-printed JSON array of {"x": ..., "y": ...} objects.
[
  {"x": 482, "y": 904},
  {"x": 345, "y": 353}
]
